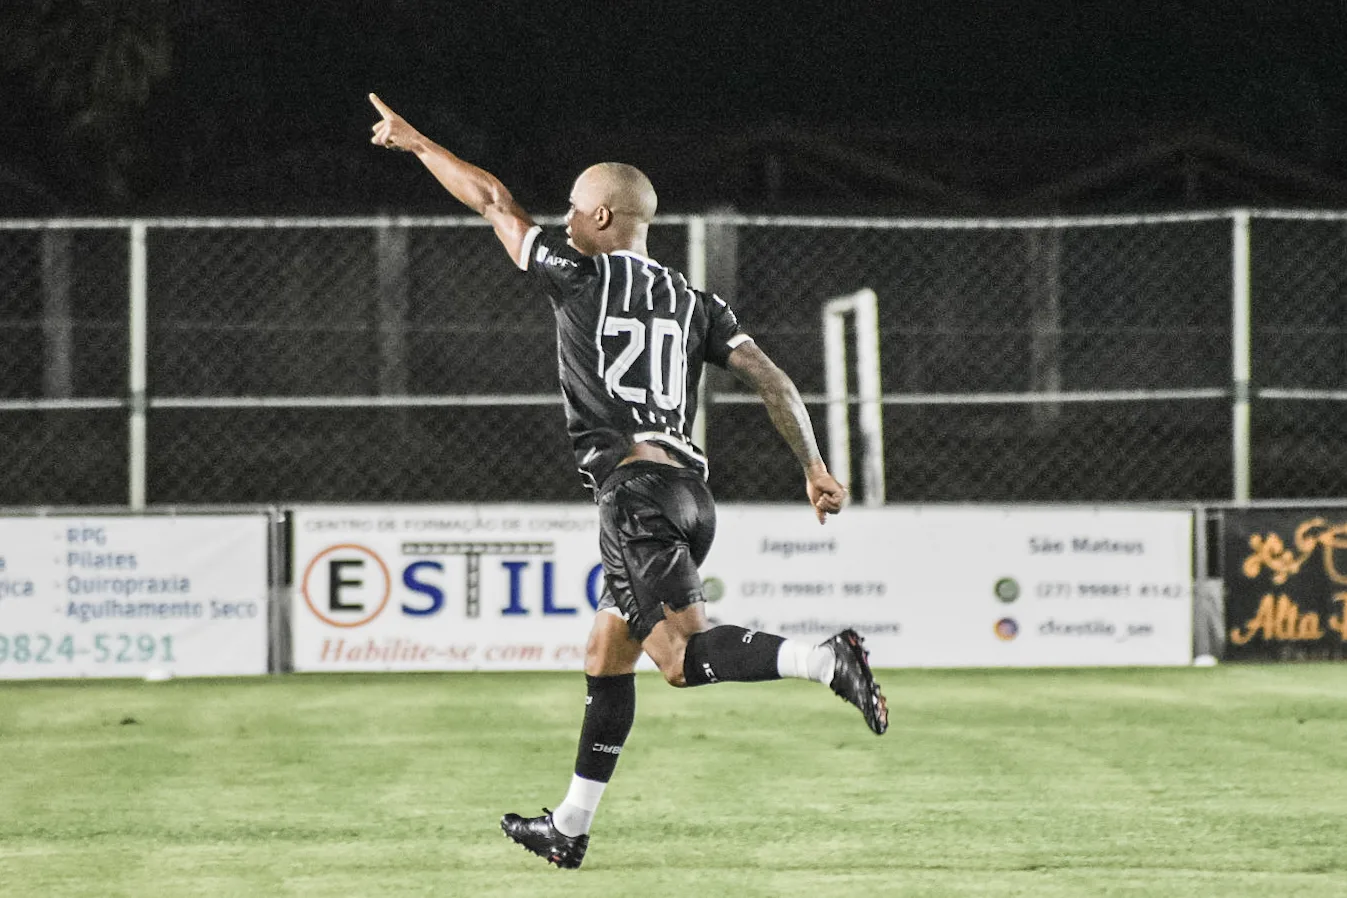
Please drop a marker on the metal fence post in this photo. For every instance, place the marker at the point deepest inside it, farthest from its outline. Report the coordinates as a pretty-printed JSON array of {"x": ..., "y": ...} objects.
[
  {"x": 57, "y": 321},
  {"x": 391, "y": 264},
  {"x": 697, "y": 278},
  {"x": 138, "y": 346},
  {"x": 1240, "y": 354},
  {"x": 280, "y": 657}
]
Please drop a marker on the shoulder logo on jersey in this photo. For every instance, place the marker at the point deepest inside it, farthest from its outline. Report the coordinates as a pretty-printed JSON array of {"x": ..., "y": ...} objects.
[{"x": 544, "y": 256}]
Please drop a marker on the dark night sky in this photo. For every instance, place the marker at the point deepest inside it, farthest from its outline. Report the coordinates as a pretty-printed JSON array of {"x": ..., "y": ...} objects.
[{"x": 265, "y": 104}]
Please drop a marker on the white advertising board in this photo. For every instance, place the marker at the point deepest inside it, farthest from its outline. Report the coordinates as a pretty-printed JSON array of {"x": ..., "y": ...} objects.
[
  {"x": 108, "y": 596},
  {"x": 491, "y": 587},
  {"x": 512, "y": 587},
  {"x": 964, "y": 587}
]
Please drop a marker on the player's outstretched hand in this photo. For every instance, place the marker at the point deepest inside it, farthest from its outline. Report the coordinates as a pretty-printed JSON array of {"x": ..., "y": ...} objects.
[
  {"x": 825, "y": 493},
  {"x": 391, "y": 130}
]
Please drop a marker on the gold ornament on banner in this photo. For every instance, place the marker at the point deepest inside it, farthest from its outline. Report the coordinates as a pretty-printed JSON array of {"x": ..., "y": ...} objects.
[{"x": 1270, "y": 552}]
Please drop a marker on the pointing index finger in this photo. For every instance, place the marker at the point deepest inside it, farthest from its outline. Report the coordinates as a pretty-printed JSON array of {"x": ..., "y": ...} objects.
[{"x": 381, "y": 106}]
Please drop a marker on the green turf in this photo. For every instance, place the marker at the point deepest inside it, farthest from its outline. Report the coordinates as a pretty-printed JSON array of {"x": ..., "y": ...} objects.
[{"x": 1218, "y": 782}]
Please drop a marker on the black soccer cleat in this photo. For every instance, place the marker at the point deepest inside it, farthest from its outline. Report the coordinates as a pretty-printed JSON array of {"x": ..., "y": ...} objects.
[
  {"x": 540, "y": 836},
  {"x": 853, "y": 681}
]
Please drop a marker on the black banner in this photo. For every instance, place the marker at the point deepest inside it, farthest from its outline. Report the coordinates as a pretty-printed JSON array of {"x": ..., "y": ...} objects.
[{"x": 1285, "y": 574}]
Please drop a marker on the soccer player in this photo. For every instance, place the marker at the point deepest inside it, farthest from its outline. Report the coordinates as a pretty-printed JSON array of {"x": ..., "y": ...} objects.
[{"x": 632, "y": 337}]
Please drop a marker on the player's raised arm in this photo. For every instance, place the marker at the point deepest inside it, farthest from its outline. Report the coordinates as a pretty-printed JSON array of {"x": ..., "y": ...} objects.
[
  {"x": 791, "y": 419},
  {"x": 479, "y": 190}
]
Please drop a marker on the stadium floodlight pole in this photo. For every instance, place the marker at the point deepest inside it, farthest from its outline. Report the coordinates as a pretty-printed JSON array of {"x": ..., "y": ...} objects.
[
  {"x": 1240, "y": 355},
  {"x": 136, "y": 375}
]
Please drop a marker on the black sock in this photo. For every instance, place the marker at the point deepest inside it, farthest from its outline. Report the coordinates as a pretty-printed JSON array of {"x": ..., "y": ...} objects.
[
  {"x": 731, "y": 654},
  {"x": 610, "y": 707}
]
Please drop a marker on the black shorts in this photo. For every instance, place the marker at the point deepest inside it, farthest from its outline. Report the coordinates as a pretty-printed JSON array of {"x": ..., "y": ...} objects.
[{"x": 656, "y": 524}]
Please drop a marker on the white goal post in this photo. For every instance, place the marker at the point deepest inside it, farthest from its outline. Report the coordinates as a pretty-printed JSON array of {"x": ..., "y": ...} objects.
[{"x": 863, "y": 306}]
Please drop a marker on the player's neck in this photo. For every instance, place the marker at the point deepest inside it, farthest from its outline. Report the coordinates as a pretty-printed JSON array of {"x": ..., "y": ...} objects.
[
  {"x": 636, "y": 247},
  {"x": 626, "y": 239}
]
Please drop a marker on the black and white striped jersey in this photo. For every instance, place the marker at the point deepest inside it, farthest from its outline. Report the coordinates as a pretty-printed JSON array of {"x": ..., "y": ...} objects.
[{"x": 632, "y": 337}]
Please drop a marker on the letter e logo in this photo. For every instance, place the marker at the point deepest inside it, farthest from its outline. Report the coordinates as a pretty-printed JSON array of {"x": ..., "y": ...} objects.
[{"x": 351, "y": 583}]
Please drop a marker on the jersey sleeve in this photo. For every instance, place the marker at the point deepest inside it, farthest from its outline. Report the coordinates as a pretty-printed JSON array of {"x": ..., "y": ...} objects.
[
  {"x": 723, "y": 334},
  {"x": 561, "y": 270}
]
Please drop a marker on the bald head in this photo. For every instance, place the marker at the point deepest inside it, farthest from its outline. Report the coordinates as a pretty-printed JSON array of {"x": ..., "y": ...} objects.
[
  {"x": 612, "y": 205},
  {"x": 623, "y": 188}
]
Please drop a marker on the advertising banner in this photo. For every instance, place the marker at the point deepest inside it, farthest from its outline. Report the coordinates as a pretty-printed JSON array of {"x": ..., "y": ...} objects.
[
  {"x": 513, "y": 587},
  {"x": 491, "y": 587},
  {"x": 1285, "y": 574},
  {"x": 155, "y": 596},
  {"x": 965, "y": 587}
]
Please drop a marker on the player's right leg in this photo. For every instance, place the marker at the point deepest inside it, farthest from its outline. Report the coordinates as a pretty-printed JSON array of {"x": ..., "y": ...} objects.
[
  {"x": 656, "y": 527},
  {"x": 689, "y": 653}
]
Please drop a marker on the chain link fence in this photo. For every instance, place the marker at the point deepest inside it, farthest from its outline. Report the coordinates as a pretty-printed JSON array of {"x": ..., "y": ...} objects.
[
  {"x": 64, "y": 343},
  {"x": 980, "y": 323},
  {"x": 1299, "y": 350},
  {"x": 378, "y": 360}
]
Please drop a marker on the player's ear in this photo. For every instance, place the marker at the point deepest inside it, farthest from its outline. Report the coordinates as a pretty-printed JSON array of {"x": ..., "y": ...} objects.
[{"x": 603, "y": 217}]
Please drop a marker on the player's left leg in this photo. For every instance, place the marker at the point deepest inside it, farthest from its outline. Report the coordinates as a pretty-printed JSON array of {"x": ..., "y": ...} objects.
[
  {"x": 562, "y": 836},
  {"x": 610, "y": 709}
]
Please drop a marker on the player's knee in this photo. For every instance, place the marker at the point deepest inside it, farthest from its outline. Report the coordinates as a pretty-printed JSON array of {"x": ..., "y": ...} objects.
[{"x": 595, "y": 659}]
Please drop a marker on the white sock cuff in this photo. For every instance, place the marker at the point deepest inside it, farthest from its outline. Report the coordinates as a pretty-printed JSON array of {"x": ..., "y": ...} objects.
[
  {"x": 584, "y": 793},
  {"x": 804, "y": 661},
  {"x": 576, "y": 811},
  {"x": 792, "y": 659}
]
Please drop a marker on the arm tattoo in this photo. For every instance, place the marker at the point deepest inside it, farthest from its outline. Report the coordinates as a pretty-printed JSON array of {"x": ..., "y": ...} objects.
[{"x": 784, "y": 405}]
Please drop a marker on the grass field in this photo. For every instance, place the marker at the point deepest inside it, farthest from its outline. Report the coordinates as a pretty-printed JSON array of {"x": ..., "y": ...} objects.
[{"x": 1217, "y": 782}]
